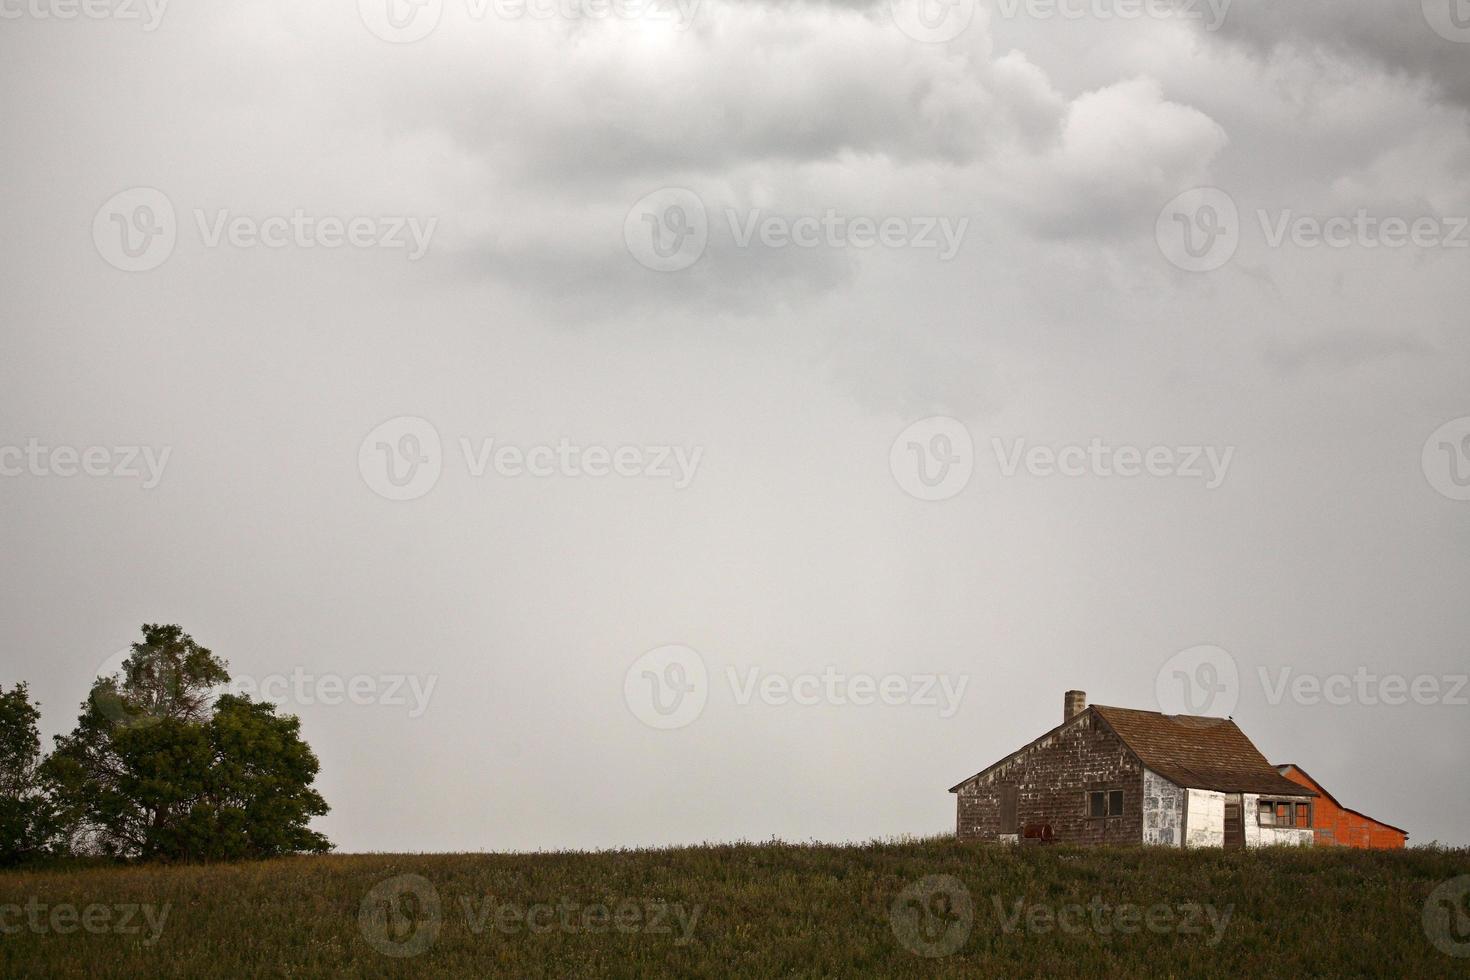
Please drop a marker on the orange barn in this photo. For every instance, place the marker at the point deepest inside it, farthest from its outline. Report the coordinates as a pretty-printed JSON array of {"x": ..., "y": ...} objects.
[{"x": 1335, "y": 824}]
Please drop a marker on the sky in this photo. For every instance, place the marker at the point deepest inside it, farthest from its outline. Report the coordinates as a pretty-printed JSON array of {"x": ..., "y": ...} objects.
[{"x": 639, "y": 424}]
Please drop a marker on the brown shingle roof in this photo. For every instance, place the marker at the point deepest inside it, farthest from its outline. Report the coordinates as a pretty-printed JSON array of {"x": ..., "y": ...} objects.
[{"x": 1197, "y": 752}]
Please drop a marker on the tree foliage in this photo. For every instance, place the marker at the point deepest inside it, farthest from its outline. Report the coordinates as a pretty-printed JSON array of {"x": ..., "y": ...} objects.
[
  {"x": 25, "y": 817},
  {"x": 158, "y": 767}
]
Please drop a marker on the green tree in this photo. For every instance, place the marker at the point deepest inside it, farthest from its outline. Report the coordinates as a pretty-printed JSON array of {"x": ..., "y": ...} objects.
[
  {"x": 25, "y": 824},
  {"x": 158, "y": 767}
]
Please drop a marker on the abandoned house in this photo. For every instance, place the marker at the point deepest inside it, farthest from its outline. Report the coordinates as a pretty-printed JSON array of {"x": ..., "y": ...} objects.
[{"x": 1120, "y": 776}]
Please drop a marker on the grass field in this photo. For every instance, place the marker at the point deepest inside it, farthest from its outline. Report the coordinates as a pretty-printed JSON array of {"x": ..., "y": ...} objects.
[{"x": 926, "y": 908}]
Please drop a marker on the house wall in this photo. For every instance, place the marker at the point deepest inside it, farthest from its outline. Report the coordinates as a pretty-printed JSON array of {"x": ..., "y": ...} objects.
[
  {"x": 1334, "y": 826},
  {"x": 1052, "y": 778},
  {"x": 1258, "y": 836},
  {"x": 1204, "y": 818},
  {"x": 1163, "y": 811}
]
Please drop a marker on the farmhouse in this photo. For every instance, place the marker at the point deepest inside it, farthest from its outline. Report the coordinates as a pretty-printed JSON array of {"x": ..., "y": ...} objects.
[{"x": 1119, "y": 776}]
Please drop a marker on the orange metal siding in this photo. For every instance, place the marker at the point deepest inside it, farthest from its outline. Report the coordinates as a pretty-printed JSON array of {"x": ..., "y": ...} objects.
[{"x": 1332, "y": 824}]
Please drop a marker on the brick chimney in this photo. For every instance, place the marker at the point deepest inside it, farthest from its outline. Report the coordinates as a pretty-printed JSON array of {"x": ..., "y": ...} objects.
[{"x": 1073, "y": 704}]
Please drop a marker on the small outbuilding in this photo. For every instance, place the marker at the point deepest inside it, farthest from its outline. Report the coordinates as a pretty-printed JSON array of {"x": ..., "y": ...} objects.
[{"x": 1338, "y": 826}]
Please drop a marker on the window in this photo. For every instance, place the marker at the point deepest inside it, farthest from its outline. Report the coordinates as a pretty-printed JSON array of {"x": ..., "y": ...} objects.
[
  {"x": 1008, "y": 820},
  {"x": 1275, "y": 813},
  {"x": 1105, "y": 803}
]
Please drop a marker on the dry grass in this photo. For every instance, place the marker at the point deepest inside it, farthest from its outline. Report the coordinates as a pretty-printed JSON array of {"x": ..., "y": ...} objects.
[{"x": 751, "y": 910}]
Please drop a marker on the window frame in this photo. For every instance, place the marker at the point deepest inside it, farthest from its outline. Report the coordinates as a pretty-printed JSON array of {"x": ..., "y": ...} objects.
[
  {"x": 1104, "y": 799},
  {"x": 1283, "y": 814}
]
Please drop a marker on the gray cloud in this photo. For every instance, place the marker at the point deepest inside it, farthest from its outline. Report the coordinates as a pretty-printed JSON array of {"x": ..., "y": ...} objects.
[{"x": 1389, "y": 34}]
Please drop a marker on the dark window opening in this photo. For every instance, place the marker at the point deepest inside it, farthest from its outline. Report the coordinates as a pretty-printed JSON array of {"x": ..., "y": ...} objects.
[
  {"x": 1276, "y": 813},
  {"x": 1105, "y": 803}
]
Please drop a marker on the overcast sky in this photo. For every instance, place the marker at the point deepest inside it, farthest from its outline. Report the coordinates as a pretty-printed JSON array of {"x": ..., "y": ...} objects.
[{"x": 571, "y": 233}]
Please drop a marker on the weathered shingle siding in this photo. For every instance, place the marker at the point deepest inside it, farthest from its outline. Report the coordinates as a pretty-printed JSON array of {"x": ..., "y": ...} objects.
[
  {"x": 1052, "y": 780},
  {"x": 1163, "y": 811}
]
